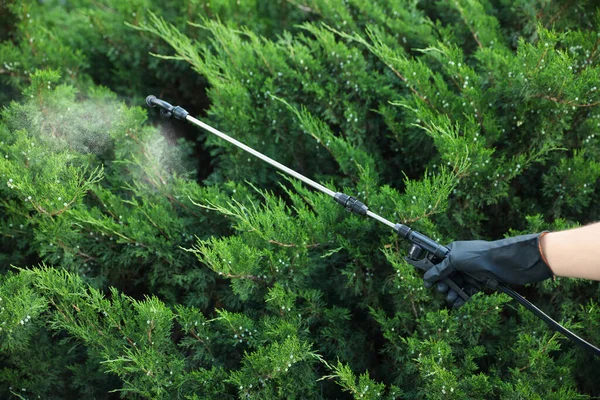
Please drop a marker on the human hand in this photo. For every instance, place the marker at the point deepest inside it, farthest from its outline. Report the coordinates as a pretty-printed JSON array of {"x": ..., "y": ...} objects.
[{"x": 472, "y": 264}]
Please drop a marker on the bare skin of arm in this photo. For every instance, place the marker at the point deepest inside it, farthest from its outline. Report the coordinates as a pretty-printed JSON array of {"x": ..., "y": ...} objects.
[{"x": 574, "y": 253}]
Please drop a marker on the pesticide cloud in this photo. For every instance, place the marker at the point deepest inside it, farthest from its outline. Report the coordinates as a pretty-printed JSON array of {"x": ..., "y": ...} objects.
[
  {"x": 81, "y": 126},
  {"x": 107, "y": 129},
  {"x": 173, "y": 155},
  {"x": 85, "y": 127}
]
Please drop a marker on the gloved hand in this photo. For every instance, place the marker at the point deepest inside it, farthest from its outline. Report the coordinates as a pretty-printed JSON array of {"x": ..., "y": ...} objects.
[{"x": 517, "y": 260}]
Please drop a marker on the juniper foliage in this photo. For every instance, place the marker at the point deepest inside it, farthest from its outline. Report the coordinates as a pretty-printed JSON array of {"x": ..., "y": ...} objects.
[{"x": 125, "y": 271}]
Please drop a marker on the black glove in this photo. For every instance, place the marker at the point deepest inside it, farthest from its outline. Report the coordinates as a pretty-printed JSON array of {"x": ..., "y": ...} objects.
[{"x": 515, "y": 260}]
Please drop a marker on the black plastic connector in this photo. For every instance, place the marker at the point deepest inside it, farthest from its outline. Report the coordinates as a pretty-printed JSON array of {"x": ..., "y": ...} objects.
[
  {"x": 402, "y": 230},
  {"x": 351, "y": 204},
  {"x": 180, "y": 113},
  {"x": 417, "y": 238},
  {"x": 166, "y": 109}
]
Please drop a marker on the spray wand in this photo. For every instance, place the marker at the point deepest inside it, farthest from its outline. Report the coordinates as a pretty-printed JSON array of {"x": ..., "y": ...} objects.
[{"x": 424, "y": 252}]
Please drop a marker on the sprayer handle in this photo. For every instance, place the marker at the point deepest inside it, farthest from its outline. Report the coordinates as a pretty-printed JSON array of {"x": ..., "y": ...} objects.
[{"x": 426, "y": 262}]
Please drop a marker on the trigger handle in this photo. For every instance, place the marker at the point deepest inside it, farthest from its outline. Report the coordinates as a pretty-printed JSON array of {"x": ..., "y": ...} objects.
[{"x": 425, "y": 263}]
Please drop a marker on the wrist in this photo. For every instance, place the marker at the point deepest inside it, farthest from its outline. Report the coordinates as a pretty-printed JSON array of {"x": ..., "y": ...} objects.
[{"x": 542, "y": 244}]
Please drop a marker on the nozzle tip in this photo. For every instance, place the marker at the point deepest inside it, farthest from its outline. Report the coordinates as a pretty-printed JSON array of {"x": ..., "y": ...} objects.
[{"x": 150, "y": 100}]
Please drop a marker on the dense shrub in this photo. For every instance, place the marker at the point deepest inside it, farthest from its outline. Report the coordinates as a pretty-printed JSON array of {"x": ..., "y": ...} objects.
[{"x": 132, "y": 266}]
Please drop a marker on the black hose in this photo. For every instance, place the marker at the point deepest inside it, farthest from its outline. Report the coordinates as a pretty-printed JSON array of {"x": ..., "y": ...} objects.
[{"x": 553, "y": 324}]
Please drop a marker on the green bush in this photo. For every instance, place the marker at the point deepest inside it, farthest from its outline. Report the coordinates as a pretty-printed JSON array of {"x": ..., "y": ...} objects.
[
  {"x": 131, "y": 266},
  {"x": 90, "y": 41}
]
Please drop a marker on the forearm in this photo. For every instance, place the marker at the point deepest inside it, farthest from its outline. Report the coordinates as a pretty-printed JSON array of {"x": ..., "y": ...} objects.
[{"x": 573, "y": 253}]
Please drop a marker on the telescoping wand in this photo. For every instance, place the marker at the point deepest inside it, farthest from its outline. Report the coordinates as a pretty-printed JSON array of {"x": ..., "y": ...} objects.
[
  {"x": 424, "y": 252},
  {"x": 423, "y": 248}
]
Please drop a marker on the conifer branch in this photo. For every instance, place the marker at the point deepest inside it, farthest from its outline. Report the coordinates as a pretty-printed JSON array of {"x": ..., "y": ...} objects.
[
  {"x": 566, "y": 102},
  {"x": 66, "y": 316},
  {"x": 588, "y": 61},
  {"x": 150, "y": 342},
  {"x": 414, "y": 308},
  {"x": 175, "y": 200},
  {"x": 302, "y": 7},
  {"x": 558, "y": 14},
  {"x": 308, "y": 246},
  {"x": 543, "y": 350},
  {"x": 80, "y": 253},
  {"x": 204, "y": 344},
  {"x": 241, "y": 276},
  {"x": 162, "y": 232},
  {"x": 8, "y": 72},
  {"x": 537, "y": 66},
  {"x": 383, "y": 52},
  {"x": 464, "y": 18}
]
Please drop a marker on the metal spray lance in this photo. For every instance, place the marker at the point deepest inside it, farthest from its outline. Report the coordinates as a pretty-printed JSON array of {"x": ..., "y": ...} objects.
[{"x": 424, "y": 252}]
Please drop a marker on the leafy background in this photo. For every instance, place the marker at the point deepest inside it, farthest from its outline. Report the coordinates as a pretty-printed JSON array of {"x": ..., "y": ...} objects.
[{"x": 151, "y": 260}]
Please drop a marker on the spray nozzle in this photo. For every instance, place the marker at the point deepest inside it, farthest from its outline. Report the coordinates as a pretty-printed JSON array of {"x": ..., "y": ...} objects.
[{"x": 166, "y": 109}]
